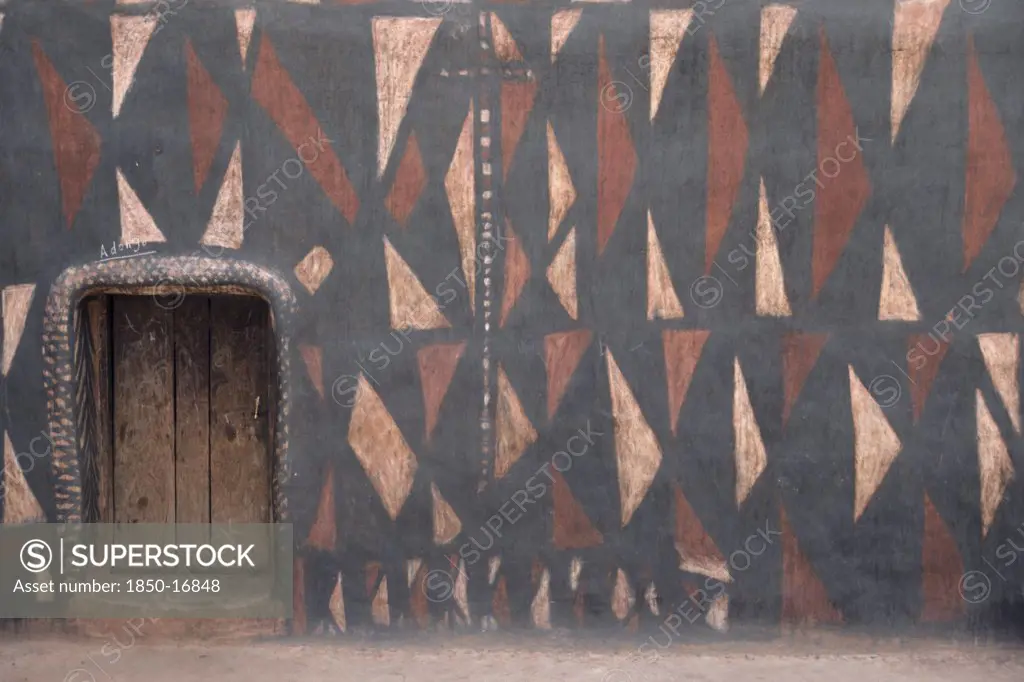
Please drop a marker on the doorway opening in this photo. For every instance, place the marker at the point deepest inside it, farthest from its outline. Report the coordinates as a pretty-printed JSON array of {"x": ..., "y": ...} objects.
[{"x": 182, "y": 405}]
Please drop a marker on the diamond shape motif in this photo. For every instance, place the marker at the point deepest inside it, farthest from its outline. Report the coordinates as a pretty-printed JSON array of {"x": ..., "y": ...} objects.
[{"x": 314, "y": 268}]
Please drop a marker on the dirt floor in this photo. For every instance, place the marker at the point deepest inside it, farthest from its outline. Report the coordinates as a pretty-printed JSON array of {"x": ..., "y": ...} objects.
[{"x": 500, "y": 659}]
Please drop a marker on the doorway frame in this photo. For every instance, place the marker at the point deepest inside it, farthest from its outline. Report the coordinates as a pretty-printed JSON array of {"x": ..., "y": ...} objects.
[{"x": 69, "y": 400}]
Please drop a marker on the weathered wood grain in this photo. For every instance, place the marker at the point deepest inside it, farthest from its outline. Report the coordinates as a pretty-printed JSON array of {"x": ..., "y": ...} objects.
[
  {"x": 239, "y": 456},
  {"x": 144, "y": 489},
  {"x": 192, "y": 409}
]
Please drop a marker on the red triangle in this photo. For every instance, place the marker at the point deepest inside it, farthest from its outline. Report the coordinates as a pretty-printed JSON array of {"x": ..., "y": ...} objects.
[
  {"x": 437, "y": 367},
  {"x": 499, "y": 604},
  {"x": 207, "y": 109},
  {"x": 313, "y": 357},
  {"x": 323, "y": 534},
  {"x": 76, "y": 144},
  {"x": 804, "y": 599},
  {"x": 923, "y": 368},
  {"x": 616, "y": 156},
  {"x": 942, "y": 570},
  {"x": 562, "y": 354},
  {"x": 990, "y": 176},
  {"x": 516, "y": 105},
  {"x": 799, "y": 355},
  {"x": 727, "y": 152},
  {"x": 690, "y": 536},
  {"x": 682, "y": 353},
  {"x": 517, "y": 273},
  {"x": 410, "y": 179},
  {"x": 274, "y": 90},
  {"x": 841, "y": 198},
  {"x": 572, "y": 526}
]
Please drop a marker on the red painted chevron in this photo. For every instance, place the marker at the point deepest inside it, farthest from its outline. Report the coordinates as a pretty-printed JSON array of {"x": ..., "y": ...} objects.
[
  {"x": 990, "y": 177},
  {"x": 562, "y": 354},
  {"x": 313, "y": 357},
  {"x": 516, "y": 105},
  {"x": 76, "y": 144},
  {"x": 207, "y": 109},
  {"x": 274, "y": 90},
  {"x": 437, "y": 365},
  {"x": 804, "y": 599},
  {"x": 840, "y": 199},
  {"x": 572, "y": 527},
  {"x": 616, "y": 156},
  {"x": 410, "y": 179},
  {"x": 799, "y": 355},
  {"x": 727, "y": 152},
  {"x": 517, "y": 273},
  {"x": 924, "y": 356},
  {"x": 941, "y": 570},
  {"x": 323, "y": 535},
  {"x": 682, "y": 353}
]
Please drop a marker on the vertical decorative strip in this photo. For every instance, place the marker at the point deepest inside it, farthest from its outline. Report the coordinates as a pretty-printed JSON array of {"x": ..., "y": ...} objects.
[{"x": 486, "y": 96}]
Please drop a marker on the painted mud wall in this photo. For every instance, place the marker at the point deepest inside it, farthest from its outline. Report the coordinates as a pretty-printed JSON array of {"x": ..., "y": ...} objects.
[{"x": 595, "y": 312}]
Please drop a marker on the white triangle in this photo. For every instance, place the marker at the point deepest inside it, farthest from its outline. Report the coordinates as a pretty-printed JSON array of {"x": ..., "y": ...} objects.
[
  {"x": 460, "y": 187},
  {"x": 225, "y": 227},
  {"x": 129, "y": 35},
  {"x": 875, "y": 444},
  {"x": 399, "y": 46},
  {"x": 775, "y": 22},
  {"x": 751, "y": 457},
  {"x": 562, "y": 274},
  {"x": 540, "y": 607},
  {"x": 137, "y": 226},
  {"x": 562, "y": 24},
  {"x": 662, "y": 300},
  {"x": 17, "y": 300},
  {"x": 667, "y": 30},
  {"x": 244, "y": 21},
  {"x": 994, "y": 464},
  {"x": 561, "y": 191},
  {"x": 897, "y": 300},
  {"x": 637, "y": 452},
  {"x": 411, "y": 306},
  {"x": 914, "y": 27},
  {"x": 1002, "y": 358},
  {"x": 771, "y": 283},
  {"x": 20, "y": 503}
]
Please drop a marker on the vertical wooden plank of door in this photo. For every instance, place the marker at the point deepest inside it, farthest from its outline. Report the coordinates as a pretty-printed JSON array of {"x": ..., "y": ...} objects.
[
  {"x": 192, "y": 409},
  {"x": 98, "y": 311},
  {"x": 143, "y": 411},
  {"x": 239, "y": 456}
]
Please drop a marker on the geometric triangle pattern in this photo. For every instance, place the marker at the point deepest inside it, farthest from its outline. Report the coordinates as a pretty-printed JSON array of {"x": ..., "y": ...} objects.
[
  {"x": 775, "y": 22},
  {"x": 876, "y": 445},
  {"x": 381, "y": 449},
  {"x": 433, "y": 136},
  {"x": 668, "y": 27},
  {"x": 897, "y": 300},
  {"x": 400, "y": 45},
  {"x": 637, "y": 451}
]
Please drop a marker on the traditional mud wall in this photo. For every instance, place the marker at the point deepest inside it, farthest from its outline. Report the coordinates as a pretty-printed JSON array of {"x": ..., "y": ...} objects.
[{"x": 596, "y": 312}]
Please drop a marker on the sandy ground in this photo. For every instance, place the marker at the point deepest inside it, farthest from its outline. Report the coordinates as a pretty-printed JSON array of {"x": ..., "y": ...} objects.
[{"x": 494, "y": 659}]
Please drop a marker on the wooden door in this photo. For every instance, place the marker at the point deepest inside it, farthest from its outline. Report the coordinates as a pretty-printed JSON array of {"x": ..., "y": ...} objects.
[{"x": 181, "y": 395}]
